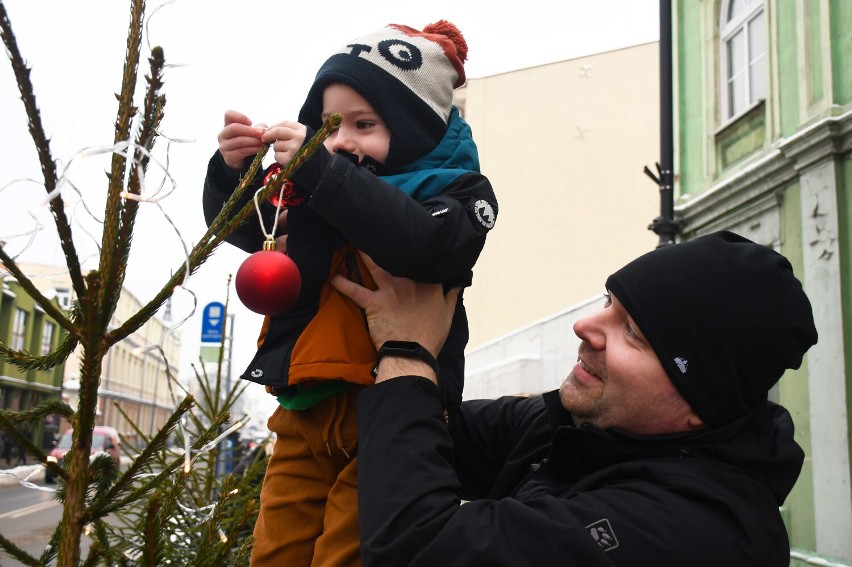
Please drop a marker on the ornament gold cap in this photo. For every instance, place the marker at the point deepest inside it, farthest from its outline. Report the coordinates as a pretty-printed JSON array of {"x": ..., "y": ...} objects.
[{"x": 269, "y": 243}]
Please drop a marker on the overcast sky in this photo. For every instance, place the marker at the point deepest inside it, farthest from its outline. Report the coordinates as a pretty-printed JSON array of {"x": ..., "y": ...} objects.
[{"x": 256, "y": 56}]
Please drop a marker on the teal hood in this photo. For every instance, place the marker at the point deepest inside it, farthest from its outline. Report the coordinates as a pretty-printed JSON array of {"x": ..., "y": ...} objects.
[{"x": 429, "y": 175}]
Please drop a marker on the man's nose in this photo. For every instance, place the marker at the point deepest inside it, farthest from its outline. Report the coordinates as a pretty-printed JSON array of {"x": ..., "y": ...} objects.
[{"x": 591, "y": 330}]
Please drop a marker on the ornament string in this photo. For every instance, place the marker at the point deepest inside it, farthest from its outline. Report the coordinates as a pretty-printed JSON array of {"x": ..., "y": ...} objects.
[{"x": 270, "y": 236}]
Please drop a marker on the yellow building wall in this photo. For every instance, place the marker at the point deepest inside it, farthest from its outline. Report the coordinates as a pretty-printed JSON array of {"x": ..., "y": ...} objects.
[{"x": 564, "y": 146}]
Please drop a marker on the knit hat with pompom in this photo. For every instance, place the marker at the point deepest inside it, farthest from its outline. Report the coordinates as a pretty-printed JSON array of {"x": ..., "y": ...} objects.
[{"x": 408, "y": 76}]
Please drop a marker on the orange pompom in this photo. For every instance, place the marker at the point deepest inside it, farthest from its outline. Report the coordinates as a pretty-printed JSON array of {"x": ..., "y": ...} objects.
[{"x": 445, "y": 28}]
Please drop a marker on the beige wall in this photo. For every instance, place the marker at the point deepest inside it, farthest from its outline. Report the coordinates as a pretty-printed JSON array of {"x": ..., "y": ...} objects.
[{"x": 564, "y": 146}]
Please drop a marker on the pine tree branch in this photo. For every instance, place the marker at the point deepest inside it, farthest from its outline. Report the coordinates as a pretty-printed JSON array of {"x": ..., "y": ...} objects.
[
  {"x": 208, "y": 400},
  {"x": 111, "y": 268},
  {"x": 166, "y": 473},
  {"x": 13, "y": 549},
  {"x": 25, "y": 361},
  {"x": 152, "y": 533},
  {"x": 76, "y": 461},
  {"x": 221, "y": 228},
  {"x": 48, "y": 556},
  {"x": 39, "y": 412},
  {"x": 152, "y": 115},
  {"x": 197, "y": 257},
  {"x": 42, "y": 145},
  {"x": 8, "y": 419},
  {"x": 103, "y": 472},
  {"x": 94, "y": 349},
  {"x": 100, "y": 547},
  {"x": 107, "y": 502},
  {"x": 50, "y": 308},
  {"x": 231, "y": 202}
]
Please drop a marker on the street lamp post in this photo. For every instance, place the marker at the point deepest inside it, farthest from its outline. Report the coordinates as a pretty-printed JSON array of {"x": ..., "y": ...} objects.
[{"x": 665, "y": 225}]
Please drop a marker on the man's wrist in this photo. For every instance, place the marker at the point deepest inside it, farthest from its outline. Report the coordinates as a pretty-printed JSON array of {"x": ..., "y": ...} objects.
[
  {"x": 401, "y": 358},
  {"x": 392, "y": 367}
]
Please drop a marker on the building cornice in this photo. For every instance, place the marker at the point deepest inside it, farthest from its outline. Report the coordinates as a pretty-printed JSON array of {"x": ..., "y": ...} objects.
[
  {"x": 28, "y": 385},
  {"x": 820, "y": 141},
  {"x": 767, "y": 174}
]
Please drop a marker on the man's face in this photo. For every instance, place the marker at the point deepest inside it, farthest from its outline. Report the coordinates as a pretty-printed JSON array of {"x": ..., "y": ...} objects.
[
  {"x": 618, "y": 380},
  {"x": 362, "y": 132}
]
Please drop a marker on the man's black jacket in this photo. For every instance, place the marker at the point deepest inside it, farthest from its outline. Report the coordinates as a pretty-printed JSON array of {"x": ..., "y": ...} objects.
[{"x": 541, "y": 491}]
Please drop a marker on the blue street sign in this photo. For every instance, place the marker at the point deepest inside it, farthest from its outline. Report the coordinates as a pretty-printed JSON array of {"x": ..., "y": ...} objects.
[{"x": 212, "y": 322}]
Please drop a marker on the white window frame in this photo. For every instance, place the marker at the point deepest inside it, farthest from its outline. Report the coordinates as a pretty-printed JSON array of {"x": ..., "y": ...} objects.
[
  {"x": 63, "y": 297},
  {"x": 728, "y": 29},
  {"x": 47, "y": 337},
  {"x": 19, "y": 330}
]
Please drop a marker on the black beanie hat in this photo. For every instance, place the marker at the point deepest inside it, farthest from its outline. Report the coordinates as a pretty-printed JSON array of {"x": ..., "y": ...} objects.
[
  {"x": 406, "y": 75},
  {"x": 724, "y": 315}
]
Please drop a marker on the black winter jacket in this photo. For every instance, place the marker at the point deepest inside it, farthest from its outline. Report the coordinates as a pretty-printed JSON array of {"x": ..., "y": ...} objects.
[
  {"x": 437, "y": 239},
  {"x": 541, "y": 491}
]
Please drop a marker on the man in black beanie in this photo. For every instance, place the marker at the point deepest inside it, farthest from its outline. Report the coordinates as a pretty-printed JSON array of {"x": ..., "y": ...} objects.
[{"x": 660, "y": 447}]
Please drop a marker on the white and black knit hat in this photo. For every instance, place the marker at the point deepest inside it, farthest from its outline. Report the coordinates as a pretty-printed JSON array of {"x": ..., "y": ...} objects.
[{"x": 408, "y": 76}]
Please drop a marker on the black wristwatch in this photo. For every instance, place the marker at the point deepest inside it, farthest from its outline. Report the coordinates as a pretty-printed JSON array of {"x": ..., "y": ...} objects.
[{"x": 405, "y": 349}]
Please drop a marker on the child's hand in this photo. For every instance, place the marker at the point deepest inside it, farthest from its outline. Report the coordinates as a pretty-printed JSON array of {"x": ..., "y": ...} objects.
[
  {"x": 288, "y": 137},
  {"x": 239, "y": 139}
]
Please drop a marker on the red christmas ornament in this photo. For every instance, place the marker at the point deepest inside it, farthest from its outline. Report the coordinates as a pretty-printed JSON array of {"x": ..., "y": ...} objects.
[
  {"x": 268, "y": 282},
  {"x": 291, "y": 197}
]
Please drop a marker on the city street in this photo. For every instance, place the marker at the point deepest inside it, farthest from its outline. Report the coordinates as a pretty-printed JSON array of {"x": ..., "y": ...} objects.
[{"x": 27, "y": 516}]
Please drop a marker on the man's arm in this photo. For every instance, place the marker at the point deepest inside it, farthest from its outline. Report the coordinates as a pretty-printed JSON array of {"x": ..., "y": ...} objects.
[{"x": 410, "y": 510}]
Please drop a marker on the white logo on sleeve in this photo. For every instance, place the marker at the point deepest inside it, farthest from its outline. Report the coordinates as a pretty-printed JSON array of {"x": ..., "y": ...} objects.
[
  {"x": 256, "y": 373},
  {"x": 601, "y": 532},
  {"x": 484, "y": 213},
  {"x": 681, "y": 364}
]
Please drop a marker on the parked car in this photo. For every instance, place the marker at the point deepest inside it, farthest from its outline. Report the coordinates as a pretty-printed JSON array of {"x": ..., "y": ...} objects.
[{"x": 104, "y": 439}]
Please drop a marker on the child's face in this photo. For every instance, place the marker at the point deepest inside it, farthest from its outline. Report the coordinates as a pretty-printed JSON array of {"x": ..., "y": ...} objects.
[{"x": 362, "y": 132}]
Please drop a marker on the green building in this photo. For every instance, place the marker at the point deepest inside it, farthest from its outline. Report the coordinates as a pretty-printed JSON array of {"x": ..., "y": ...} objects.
[
  {"x": 25, "y": 326},
  {"x": 763, "y": 147}
]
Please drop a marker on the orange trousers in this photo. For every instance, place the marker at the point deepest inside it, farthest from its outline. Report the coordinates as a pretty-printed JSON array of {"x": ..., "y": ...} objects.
[{"x": 309, "y": 500}]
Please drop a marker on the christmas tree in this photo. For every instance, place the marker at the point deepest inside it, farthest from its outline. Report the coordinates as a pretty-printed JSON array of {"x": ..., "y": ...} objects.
[{"x": 170, "y": 506}]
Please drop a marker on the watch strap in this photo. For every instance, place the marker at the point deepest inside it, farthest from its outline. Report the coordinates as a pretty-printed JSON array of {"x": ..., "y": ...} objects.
[{"x": 405, "y": 349}]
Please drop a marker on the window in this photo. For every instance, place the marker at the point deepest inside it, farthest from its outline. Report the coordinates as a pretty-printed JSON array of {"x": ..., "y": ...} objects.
[
  {"x": 47, "y": 338},
  {"x": 63, "y": 296},
  {"x": 19, "y": 329},
  {"x": 743, "y": 58}
]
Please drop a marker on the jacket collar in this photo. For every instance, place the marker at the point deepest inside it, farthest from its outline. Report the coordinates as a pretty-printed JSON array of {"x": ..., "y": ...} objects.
[{"x": 760, "y": 443}]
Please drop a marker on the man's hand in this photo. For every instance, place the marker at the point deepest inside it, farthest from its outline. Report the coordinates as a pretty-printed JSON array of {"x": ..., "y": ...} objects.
[
  {"x": 402, "y": 309},
  {"x": 239, "y": 139}
]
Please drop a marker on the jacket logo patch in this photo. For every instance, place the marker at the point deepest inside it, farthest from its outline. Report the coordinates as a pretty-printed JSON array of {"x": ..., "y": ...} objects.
[
  {"x": 440, "y": 212},
  {"x": 484, "y": 213},
  {"x": 682, "y": 364},
  {"x": 601, "y": 532},
  {"x": 256, "y": 373}
]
